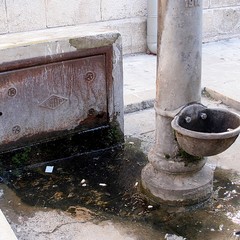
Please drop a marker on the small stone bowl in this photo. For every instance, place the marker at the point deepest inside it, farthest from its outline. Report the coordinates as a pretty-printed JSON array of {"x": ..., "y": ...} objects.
[{"x": 202, "y": 131}]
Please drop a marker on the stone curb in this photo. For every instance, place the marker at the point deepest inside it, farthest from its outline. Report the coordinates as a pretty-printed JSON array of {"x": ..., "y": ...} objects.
[
  {"x": 6, "y": 232},
  {"x": 208, "y": 92},
  {"x": 220, "y": 97},
  {"x": 134, "y": 107}
]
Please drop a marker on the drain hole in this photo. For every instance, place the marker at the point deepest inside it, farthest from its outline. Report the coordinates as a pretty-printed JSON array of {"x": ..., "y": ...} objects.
[{"x": 1, "y": 113}]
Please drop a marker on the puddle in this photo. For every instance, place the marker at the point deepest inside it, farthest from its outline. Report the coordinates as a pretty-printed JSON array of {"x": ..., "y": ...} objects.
[
  {"x": 103, "y": 180},
  {"x": 107, "y": 183}
]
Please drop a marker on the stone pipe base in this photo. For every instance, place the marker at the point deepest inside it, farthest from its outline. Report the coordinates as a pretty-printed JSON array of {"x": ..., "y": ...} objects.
[{"x": 177, "y": 190}]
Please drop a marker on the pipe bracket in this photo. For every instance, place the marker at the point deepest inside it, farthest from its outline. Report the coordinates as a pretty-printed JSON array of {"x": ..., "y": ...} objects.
[{"x": 167, "y": 113}]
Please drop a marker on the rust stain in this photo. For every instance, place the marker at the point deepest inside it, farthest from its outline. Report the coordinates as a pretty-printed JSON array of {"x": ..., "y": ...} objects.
[{"x": 53, "y": 95}]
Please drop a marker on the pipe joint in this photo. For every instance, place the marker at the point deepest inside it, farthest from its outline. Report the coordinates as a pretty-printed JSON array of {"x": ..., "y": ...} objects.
[{"x": 167, "y": 113}]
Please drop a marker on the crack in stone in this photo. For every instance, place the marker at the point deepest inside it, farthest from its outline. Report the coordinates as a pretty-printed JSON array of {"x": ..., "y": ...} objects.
[{"x": 59, "y": 226}]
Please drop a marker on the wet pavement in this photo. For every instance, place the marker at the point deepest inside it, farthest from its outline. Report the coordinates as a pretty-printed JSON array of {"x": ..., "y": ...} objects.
[
  {"x": 90, "y": 195},
  {"x": 103, "y": 189},
  {"x": 220, "y": 75}
]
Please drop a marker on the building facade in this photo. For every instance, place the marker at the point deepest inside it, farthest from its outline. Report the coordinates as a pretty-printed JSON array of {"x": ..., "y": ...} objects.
[{"x": 221, "y": 18}]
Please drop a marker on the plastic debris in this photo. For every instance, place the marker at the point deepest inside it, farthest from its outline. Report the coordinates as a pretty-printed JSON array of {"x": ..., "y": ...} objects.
[
  {"x": 173, "y": 237},
  {"x": 235, "y": 217},
  {"x": 220, "y": 227},
  {"x": 150, "y": 207},
  {"x": 83, "y": 181},
  {"x": 49, "y": 169},
  {"x": 1, "y": 193},
  {"x": 136, "y": 184},
  {"x": 102, "y": 184},
  {"x": 70, "y": 195}
]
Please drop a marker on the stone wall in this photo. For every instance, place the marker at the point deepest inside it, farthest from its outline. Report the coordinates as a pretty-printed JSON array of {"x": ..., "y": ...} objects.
[
  {"x": 127, "y": 16},
  {"x": 221, "y": 17}
]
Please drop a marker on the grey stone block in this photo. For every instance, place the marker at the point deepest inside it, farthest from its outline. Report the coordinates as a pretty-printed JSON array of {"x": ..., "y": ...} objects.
[
  {"x": 3, "y": 17},
  {"x": 25, "y": 15},
  {"x": 220, "y": 23},
  {"x": 112, "y": 9},
  {"x": 132, "y": 43},
  {"x": 72, "y": 12},
  {"x": 223, "y": 3}
]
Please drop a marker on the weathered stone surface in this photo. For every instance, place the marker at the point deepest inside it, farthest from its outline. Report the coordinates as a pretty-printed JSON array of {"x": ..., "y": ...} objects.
[
  {"x": 227, "y": 21},
  {"x": 72, "y": 12},
  {"x": 132, "y": 43},
  {"x": 126, "y": 16},
  {"x": 25, "y": 15},
  {"x": 3, "y": 17},
  {"x": 208, "y": 29},
  {"x": 53, "y": 41},
  {"x": 172, "y": 176},
  {"x": 223, "y": 3},
  {"x": 221, "y": 23},
  {"x": 205, "y": 3},
  {"x": 181, "y": 189},
  {"x": 60, "y": 225},
  {"x": 112, "y": 9},
  {"x": 6, "y": 231},
  {"x": 66, "y": 81},
  {"x": 139, "y": 36}
]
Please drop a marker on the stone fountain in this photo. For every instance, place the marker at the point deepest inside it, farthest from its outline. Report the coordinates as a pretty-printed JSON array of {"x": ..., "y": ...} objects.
[
  {"x": 186, "y": 131},
  {"x": 59, "y": 82}
]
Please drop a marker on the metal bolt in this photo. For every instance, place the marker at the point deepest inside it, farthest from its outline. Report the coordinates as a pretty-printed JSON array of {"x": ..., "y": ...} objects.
[
  {"x": 203, "y": 116},
  {"x": 16, "y": 129},
  {"x": 12, "y": 92},
  {"x": 188, "y": 119},
  {"x": 90, "y": 76}
]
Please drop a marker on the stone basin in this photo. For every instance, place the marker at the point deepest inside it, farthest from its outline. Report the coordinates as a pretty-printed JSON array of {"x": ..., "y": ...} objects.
[{"x": 202, "y": 131}]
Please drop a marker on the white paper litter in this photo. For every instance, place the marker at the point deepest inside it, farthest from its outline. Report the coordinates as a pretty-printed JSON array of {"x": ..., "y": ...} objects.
[{"x": 49, "y": 169}]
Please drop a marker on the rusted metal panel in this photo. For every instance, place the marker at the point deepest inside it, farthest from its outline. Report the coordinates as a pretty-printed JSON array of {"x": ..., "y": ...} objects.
[{"x": 39, "y": 101}]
